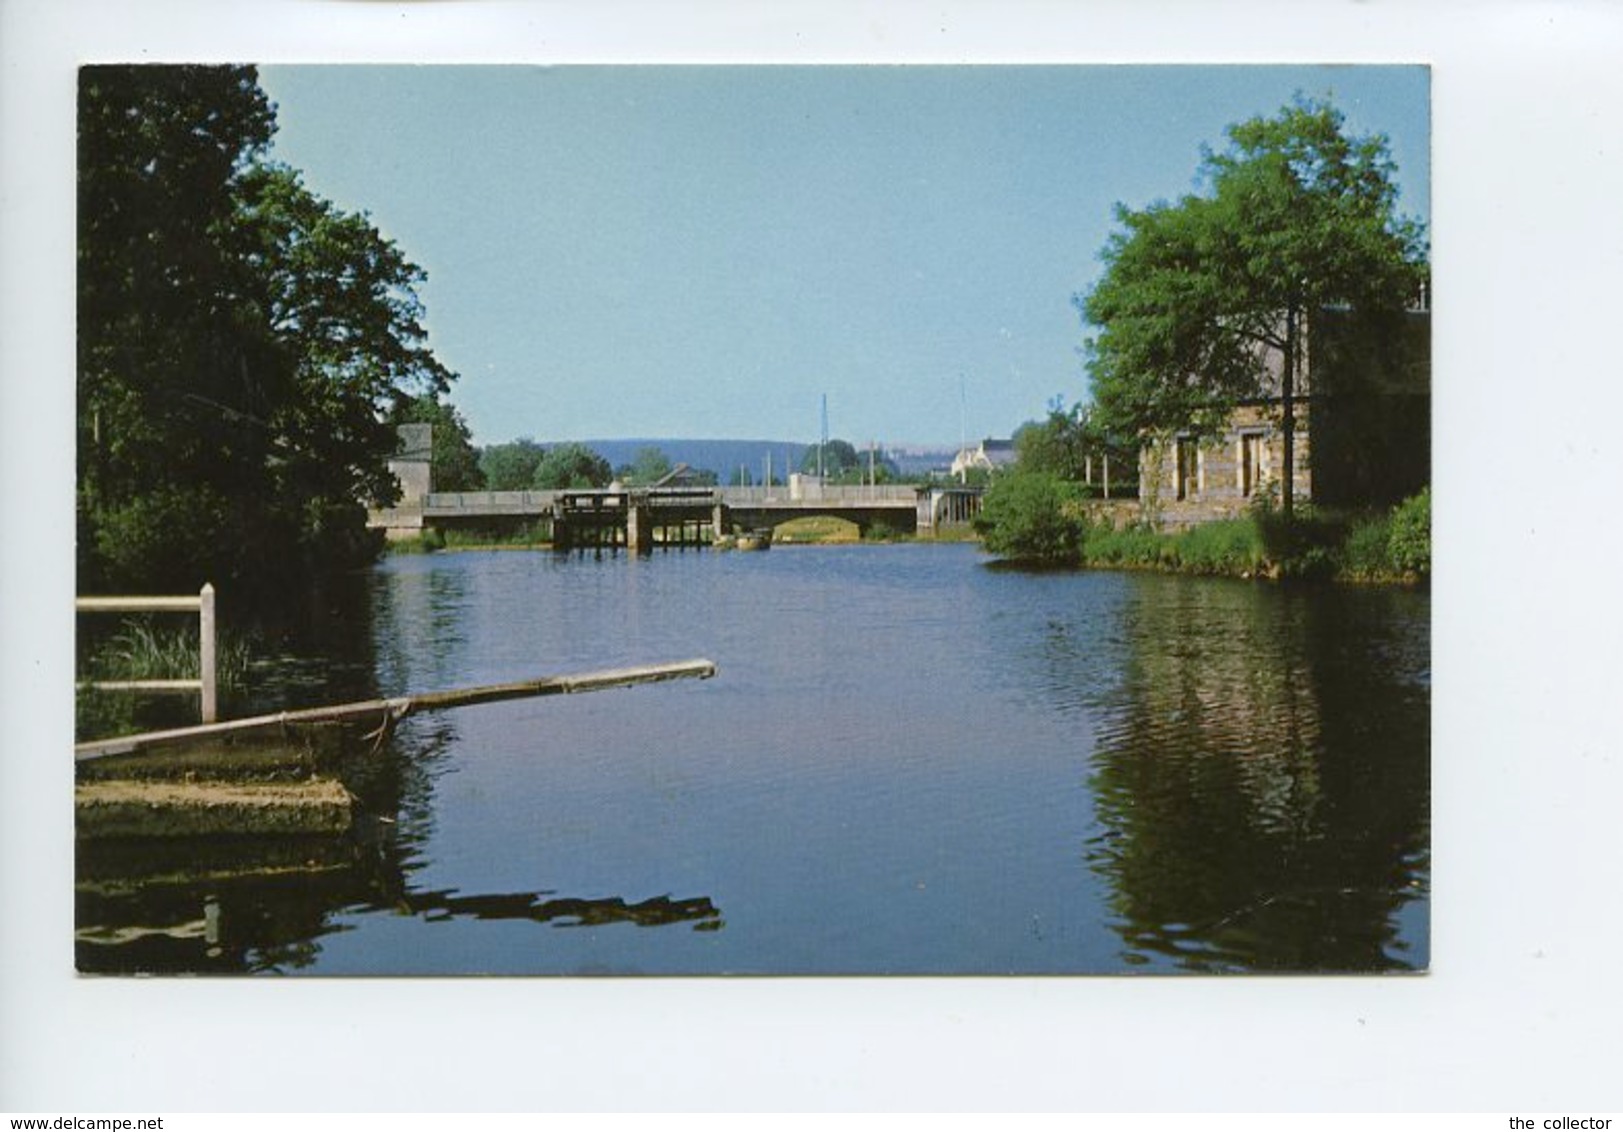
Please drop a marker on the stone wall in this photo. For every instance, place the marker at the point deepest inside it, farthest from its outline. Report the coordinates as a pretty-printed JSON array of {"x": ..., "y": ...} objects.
[{"x": 1183, "y": 481}]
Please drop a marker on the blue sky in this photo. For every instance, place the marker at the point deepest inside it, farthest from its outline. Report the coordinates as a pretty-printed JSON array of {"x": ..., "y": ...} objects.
[{"x": 706, "y": 251}]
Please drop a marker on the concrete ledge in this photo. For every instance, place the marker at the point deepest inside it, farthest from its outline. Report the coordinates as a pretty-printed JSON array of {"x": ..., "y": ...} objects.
[{"x": 202, "y": 809}]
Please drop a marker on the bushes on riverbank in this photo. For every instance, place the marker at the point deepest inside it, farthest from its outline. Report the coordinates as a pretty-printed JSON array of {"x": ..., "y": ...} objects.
[
  {"x": 1037, "y": 518},
  {"x": 527, "y": 536}
]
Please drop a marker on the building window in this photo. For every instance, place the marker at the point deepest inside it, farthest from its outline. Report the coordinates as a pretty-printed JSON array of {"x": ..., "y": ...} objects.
[
  {"x": 1253, "y": 462},
  {"x": 1186, "y": 473}
]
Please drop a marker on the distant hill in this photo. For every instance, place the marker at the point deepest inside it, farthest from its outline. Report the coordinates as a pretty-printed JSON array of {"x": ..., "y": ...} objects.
[{"x": 723, "y": 457}]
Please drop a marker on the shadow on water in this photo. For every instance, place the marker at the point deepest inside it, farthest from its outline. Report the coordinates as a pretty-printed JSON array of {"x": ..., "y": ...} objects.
[
  {"x": 1261, "y": 774},
  {"x": 264, "y": 905},
  {"x": 240, "y": 905}
]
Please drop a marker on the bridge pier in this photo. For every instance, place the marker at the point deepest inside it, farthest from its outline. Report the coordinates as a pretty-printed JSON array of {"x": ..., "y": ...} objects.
[{"x": 638, "y": 535}]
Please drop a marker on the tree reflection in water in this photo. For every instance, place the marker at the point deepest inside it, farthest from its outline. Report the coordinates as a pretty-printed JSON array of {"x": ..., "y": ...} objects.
[{"x": 1261, "y": 773}]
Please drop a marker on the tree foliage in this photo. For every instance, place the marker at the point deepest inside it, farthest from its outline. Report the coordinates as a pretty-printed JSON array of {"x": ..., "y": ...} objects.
[
  {"x": 510, "y": 466},
  {"x": 1055, "y": 445},
  {"x": 455, "y": 460},
  {"x": 834, "y": 458},
  {"x": 1206, "y": 302},
  {"x": 571, "y": 465},
  {"x": 649, "y": 466},
  {"x": 1070, "y": 445},
  {"x": 241, "y": 346},
  {"x": 842, "y": 463},
  {"x": 1026, "y": 516}
]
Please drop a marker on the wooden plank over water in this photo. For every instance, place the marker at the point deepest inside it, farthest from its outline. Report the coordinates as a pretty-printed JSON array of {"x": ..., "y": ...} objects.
[{"x": 384, "y": 712}]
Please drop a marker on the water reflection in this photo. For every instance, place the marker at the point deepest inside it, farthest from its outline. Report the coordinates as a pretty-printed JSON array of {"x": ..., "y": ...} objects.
[
  {"x": 241, "y": 905},
  {"x": 1112, "y": 771},
  {"x": 566, "y": 911},
  {"x": 420, "y": 617},
  {"x": 1261, "y": 774},
  {"x": 265, "y": 906}
]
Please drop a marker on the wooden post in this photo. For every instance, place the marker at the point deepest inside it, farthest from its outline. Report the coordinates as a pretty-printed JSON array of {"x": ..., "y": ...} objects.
[
  {"x": 1107, "y": 474},
  {"x": 207, "y": 673}
]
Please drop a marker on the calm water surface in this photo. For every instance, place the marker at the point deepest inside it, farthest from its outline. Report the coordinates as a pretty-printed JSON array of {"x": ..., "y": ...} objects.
[{"x": 909, "y": 762}]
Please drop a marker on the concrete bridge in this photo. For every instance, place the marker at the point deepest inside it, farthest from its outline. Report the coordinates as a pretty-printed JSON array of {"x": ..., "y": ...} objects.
[{"x": 682, "y": 515}]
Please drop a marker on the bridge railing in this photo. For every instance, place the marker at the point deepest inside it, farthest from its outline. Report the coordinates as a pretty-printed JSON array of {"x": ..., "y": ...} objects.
[
  {"x": 837, "y": 494},
  {"x": 489, "y": 500},
  {"x": 207, "y": 683}
]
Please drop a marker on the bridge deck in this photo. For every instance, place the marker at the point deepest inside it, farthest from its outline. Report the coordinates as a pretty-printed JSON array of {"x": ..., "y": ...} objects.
[{"x": 917, "y": 507}]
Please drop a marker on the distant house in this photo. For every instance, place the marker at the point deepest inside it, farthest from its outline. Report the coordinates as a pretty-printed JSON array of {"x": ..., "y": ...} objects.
[
  {"x": 1363, "y": 432},
  {"x": 684, "y": 475},
  {"x": 992, "y": 455}
]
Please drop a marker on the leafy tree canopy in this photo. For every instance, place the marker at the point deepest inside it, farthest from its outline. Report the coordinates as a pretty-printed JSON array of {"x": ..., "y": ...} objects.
[
  {"x": 842, "y": 463},
  {"x": 837, "y": 456},
  {"x": 1071, "y": 445},
  {"x": 510, "y": 466},
  {"x": 241, "y": 344},
  {"x": 572, "y": 465},
  {"x": 1203, "y": 301},
  {"x": 1058, "y": 445},
  {"x": 1025, "y": 516},
  {"x": 650, "y": 465}
]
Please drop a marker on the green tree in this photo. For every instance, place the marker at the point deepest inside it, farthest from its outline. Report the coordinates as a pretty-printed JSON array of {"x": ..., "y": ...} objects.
[
  {"x": 342, "y": 307},
  {"x": 241, "y": 343},
  {"x": 1057, "y": 445},
  {"x": 510, "y": 466},
  {"x": 572, "y": 465},
  {"x": 837, "y": 457},
  {"x": 650, "y": 465},
  {"x": 1072, "y": 445},
  {"x": 842, "y": 463},
  {"x": 1207, "y": 302},
  {"x": 177, "y": 378},
  {"x": 455, "y": 459},
  {"x": 1027, "y": 516}
]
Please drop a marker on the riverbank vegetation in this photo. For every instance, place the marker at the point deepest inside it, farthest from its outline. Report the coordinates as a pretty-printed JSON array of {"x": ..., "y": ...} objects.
[
  {"x": 1037, "y": 518},
  {"x": 527, "y": 536},
  {"x": 143, "y": 647}
]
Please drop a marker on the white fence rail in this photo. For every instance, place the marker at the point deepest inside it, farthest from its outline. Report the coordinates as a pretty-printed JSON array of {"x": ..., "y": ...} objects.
[{"x": 207, "y": 684}]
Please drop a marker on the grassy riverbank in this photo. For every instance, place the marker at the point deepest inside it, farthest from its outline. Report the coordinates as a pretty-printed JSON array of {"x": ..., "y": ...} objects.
[
  {"x": 142, "y": 649},
  {"x": 531, "y": 536},
  {"x": 1041, "y": 521}
]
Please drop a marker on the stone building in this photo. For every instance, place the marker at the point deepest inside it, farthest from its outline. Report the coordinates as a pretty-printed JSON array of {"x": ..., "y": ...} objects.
[{"x": 1362, "y": 437}]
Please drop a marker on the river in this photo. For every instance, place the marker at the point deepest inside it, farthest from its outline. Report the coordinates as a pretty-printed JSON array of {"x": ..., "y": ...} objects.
[{"x": 911, "y": 761}]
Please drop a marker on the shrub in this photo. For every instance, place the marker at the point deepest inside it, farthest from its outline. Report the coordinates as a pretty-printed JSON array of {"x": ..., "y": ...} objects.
[
  {"x": 1365, "y": 553},
  {"x": 1409, "y": 543},
  {"x": 1024, "y": 516}
]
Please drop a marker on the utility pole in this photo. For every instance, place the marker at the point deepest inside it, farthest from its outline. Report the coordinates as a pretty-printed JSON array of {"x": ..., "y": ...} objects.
[{"x": 822, "y": 444}]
